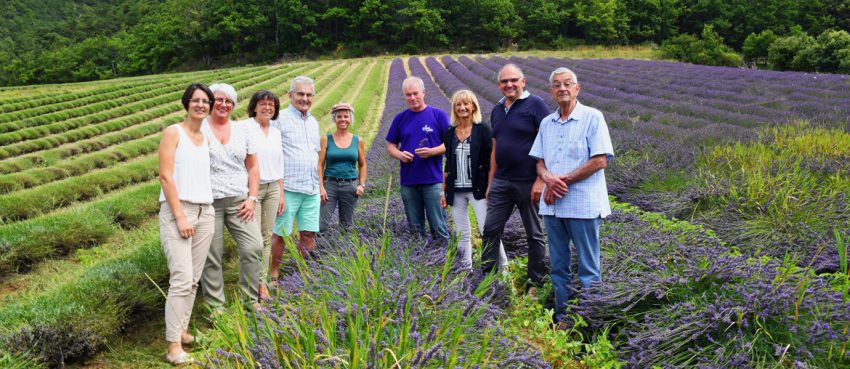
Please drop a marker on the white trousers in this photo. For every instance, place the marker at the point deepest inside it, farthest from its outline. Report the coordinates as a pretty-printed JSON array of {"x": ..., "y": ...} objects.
[{"x": 460, "y": 217}]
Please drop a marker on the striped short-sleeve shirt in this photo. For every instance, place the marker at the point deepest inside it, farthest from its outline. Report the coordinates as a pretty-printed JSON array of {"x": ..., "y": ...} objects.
[{"x": 299, "y": 137}]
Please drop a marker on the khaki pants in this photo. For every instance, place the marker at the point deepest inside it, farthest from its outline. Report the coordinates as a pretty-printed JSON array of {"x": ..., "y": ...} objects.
[
  {"x": 186, "y": 258},
  {"x": 249, "y": 248},
  {"x": 267, "y": 210}
]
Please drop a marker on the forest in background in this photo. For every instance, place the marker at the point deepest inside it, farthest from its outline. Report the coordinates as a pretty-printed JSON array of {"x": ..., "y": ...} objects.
[{"x": 56, "y": 41}]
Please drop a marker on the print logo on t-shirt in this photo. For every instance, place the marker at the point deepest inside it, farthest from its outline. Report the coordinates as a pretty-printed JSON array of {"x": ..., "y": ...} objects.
[{"x": 427, "y": 129}]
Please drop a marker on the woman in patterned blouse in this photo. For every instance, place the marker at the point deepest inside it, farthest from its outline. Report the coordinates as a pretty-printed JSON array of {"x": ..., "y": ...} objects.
[{"x": 235, "y": 185}]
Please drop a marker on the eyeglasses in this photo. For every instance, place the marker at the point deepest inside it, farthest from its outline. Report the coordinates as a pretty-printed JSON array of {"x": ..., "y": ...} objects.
[
  {"x": 221, "y": 100},
  {"x": 308, "y": 95},
  {"x": 267, "y": 104},
  {"x": 567, "y": 84},
  {"x": 505, "y": 81},
  {"x": 200, "y": 102}
]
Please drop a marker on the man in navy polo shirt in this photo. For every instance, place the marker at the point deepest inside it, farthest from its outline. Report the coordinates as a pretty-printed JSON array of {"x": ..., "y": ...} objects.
[
  {"x": 513, "y": 175},
  {"x": 415, "y": 140}
]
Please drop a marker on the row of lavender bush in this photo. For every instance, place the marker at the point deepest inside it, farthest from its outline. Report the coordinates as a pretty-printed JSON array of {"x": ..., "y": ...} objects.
[{"x": 674, "y": 294}]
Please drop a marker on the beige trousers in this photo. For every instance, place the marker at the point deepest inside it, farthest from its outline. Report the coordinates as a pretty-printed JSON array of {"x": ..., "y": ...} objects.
[
  {"x": 186, "y": 258},
  {"x": 267, "y": 209},
  {"x": 249, "y": 248}
]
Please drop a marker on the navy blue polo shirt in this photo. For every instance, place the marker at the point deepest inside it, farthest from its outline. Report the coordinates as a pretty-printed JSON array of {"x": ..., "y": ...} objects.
[{"x": 514, "y": 132}]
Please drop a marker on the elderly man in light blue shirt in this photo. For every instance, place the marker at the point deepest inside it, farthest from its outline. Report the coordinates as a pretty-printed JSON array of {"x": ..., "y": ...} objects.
[{"x": 572, "y": 149}]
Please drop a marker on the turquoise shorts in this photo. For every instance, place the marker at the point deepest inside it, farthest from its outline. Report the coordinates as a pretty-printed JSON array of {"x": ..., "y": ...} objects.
[{"x": 301, "y": 207}]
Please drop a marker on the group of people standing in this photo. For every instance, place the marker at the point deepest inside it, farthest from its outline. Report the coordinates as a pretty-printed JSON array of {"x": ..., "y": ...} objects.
[
  {"x": 544, "y": 163},
  {"x": 259, "y": 176},
  {"x": 256, "y": 178}
]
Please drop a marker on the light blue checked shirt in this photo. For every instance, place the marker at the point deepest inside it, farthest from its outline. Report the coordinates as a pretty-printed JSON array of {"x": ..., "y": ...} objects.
[
  {"x": 565, "y": 146},
  {"x": 299, "y": 137}
]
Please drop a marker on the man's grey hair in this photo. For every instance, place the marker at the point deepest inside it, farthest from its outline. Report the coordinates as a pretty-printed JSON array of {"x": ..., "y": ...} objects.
[
  {"x": 562, "y": 70},
  {"x": 511, "y": 65},
  {"x": 302, "y": 80},
  {"x": 228, "y": 90},
  {"x": 413, "y": 79}
]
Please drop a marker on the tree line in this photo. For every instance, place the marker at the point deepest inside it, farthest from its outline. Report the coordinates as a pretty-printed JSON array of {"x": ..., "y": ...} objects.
[{"x": 53, "y": 41}]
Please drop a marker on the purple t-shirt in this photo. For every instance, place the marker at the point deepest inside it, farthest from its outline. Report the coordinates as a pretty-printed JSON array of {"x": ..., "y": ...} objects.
[{"x": 411, "y": 130}]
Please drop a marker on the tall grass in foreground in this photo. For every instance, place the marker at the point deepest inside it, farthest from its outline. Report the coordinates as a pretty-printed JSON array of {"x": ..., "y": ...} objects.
[
  {"x": 781, "y": 195},
  {"x": 372, "y": 300}
]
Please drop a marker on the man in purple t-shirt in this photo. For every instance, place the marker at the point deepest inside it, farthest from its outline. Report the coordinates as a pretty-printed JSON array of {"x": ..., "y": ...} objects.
[{"x": 415, "y": 140}]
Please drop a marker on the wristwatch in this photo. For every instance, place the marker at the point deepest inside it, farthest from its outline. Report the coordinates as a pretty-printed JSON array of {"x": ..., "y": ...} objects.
[{"x": 255, "y": 199}]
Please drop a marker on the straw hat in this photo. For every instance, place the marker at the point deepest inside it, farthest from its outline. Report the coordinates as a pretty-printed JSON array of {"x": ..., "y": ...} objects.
[{"x": 342, "y": 106}]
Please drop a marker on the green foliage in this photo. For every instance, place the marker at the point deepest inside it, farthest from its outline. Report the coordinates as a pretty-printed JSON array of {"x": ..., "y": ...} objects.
[
  {"x": 527, "y": 318},
  {"x": 757, "y": 45},
  {"x": 651, "y": 20},
  {"x": 601, "y": 21},
  {"x": 734, "y": 21},
  {"x": 481, "y": 25},
  {"x": 708, "y": 49},
  {"x": 829, "y": 52},
  {"x": 783, "y": 51},
  {"x": 54, "y": 41}
]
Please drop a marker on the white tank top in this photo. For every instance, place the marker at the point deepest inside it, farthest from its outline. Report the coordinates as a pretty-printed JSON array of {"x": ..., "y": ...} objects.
[{"x": 191, "y": 170}]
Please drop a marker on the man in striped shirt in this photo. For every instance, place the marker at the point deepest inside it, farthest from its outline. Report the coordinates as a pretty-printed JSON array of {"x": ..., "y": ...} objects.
[
  {"x": 572, "y": 149},
  {"x": 299, "y": 132}
]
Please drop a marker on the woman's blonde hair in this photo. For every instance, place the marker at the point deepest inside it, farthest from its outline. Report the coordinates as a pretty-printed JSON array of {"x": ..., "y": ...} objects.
[{"x": 468, "y": 96}]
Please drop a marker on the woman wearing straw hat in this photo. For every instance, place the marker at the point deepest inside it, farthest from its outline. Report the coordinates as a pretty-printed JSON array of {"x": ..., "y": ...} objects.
[{"x": 342, "y": 169}]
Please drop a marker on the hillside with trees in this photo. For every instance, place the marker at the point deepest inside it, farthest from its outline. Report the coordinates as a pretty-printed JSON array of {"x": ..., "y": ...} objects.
[{"x": 60, "y": 41}]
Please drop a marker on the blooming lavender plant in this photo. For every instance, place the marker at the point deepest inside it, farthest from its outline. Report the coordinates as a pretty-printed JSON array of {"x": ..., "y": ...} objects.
[{"x": 674, "y": 295}]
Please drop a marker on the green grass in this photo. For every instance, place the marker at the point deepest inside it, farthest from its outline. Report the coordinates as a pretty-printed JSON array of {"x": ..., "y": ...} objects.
[
  {"x": 781, "y": 189},
  {"x": 368, "y": 112},
  {"x": 76, "y": 318}
]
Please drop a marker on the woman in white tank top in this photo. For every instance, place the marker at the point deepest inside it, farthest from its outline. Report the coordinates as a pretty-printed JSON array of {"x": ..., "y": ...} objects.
[{"x": 186, "y": 217}]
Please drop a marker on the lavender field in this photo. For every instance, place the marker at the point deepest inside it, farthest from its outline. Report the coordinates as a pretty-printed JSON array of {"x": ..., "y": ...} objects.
[
  {"x": 733, "y": 152},
  {"x": 727, "y": 247}
]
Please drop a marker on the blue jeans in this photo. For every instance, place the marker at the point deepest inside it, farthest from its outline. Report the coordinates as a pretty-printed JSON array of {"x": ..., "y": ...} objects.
[
  {"x": 423, "y": 201},
  {"x": 585, "y": 236}
]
